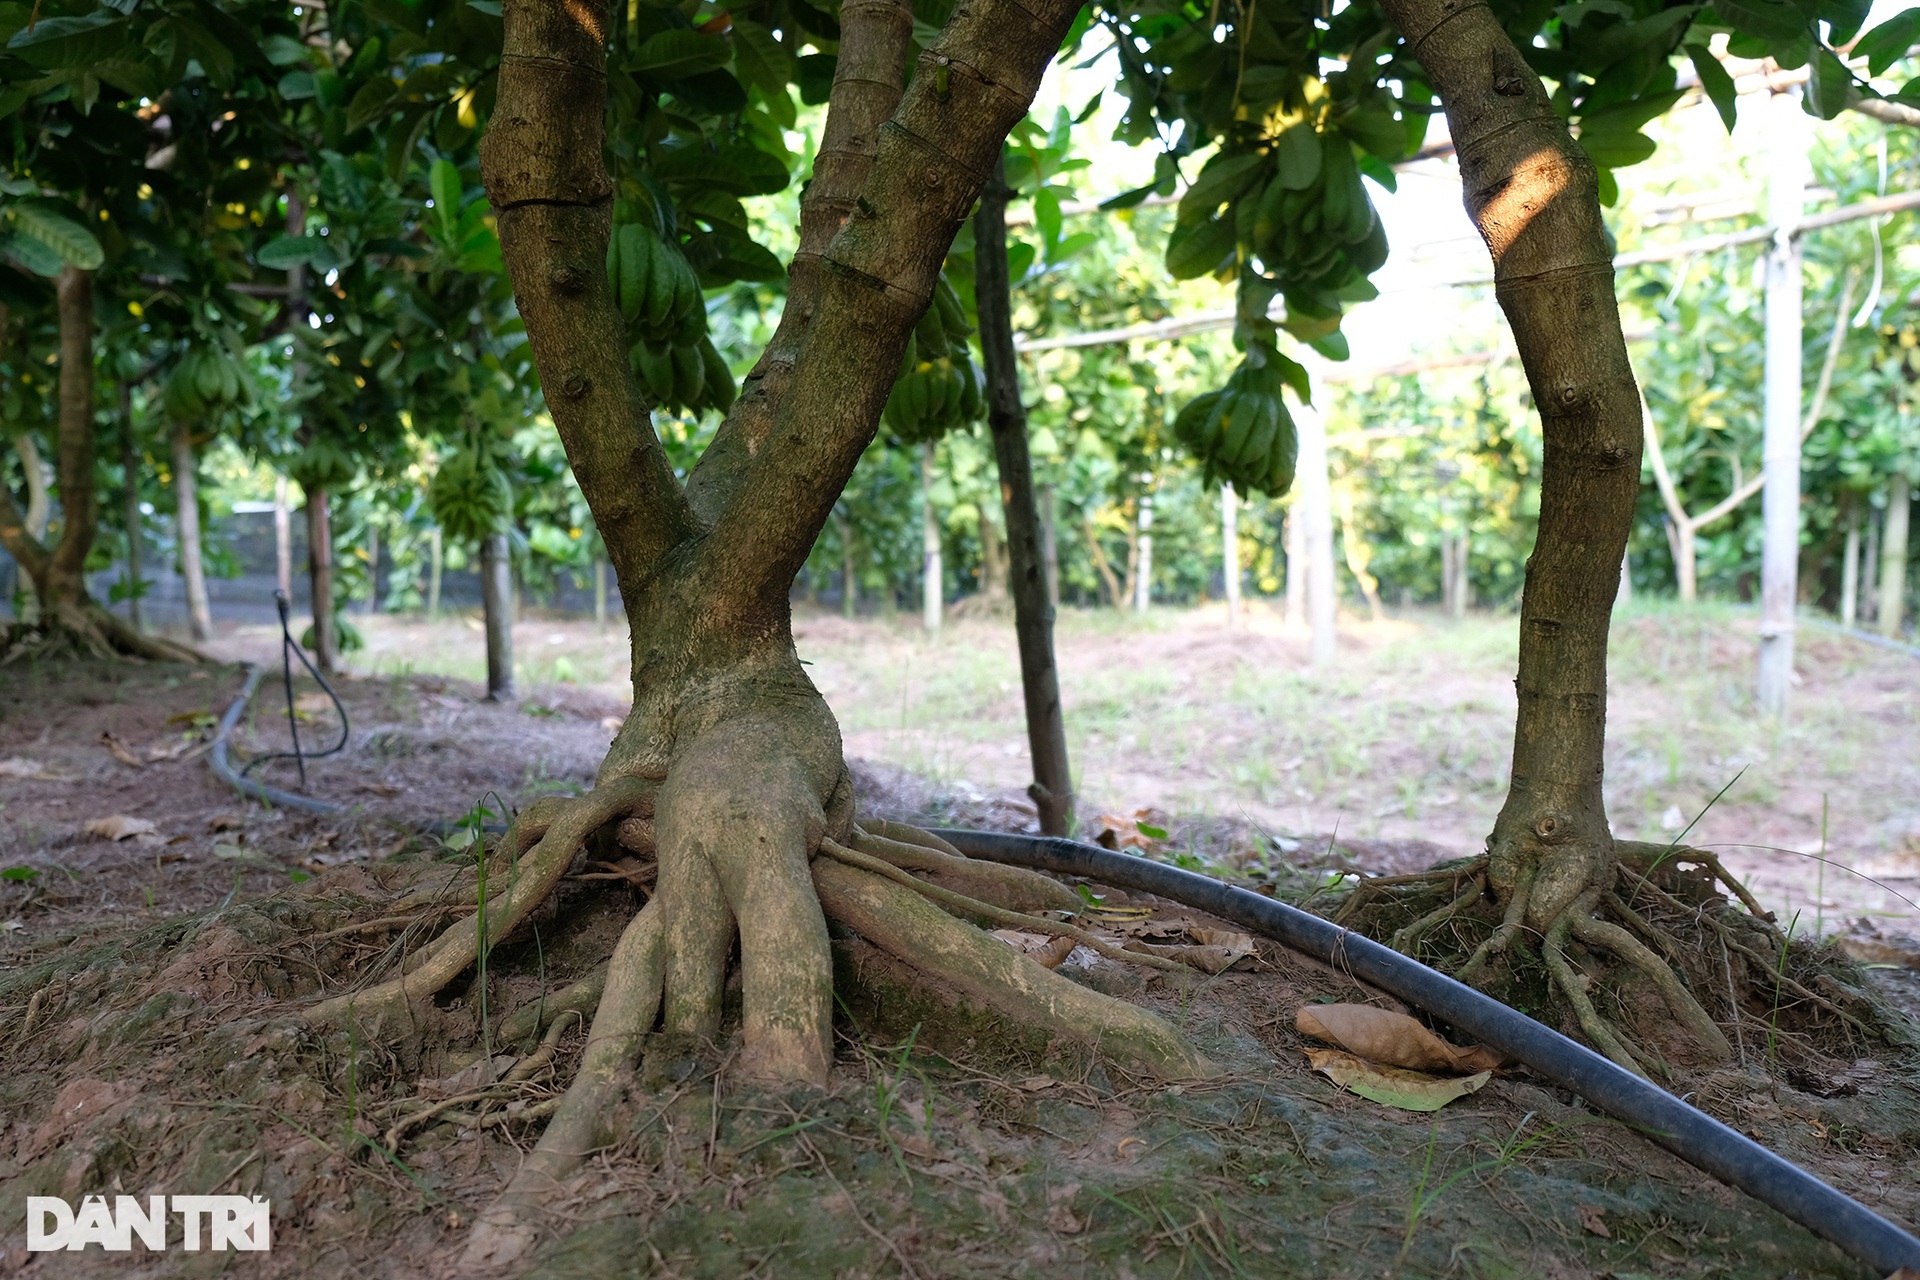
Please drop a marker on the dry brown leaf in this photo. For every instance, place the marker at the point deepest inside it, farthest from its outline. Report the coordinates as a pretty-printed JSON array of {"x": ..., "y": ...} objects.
[
  {"x": 1044, "y": 948},
  {"x": 311, "y": 701},
  {"x": 118, "y": 827},
  {"x": 21, "y": 767},
  {"x": 1038, "y": 1084},
  {"x": 118, "y": 750},
  {"x": 386, "y": 789},
  {"x": 226, "y": 822},
  {"x": 1392, "y": 1086},
  {"x": 1591, "y": 1220},
  {"x": 1206, "y": 959},
  {"x": 1381, "y": 1035},
  {"x": 1873, "y": 951}
]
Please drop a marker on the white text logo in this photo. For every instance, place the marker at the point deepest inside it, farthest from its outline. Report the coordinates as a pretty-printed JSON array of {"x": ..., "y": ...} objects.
[{"x": 212, "y": 1222}]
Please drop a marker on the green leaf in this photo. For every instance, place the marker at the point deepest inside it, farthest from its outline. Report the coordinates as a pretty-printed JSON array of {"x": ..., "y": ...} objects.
[
  {"x": 444, "y": 181},
  {"x": 1828, "y": 85},
  {"x": 1378, "y": 132},
  {"x": 1046, "y": 214},
  {"x": 73, "y": 243},
  {"x": 297, "y": 86},
  {"x": 284, "y": 252},
  {"x": 1716, "y": 83},
  {"x": 674, "y": 55},
  {"x": 70, "y": 42},
  {"x": 1887, "y": 43},
  {"x": 739, "y": 170},
  {"x": 1198, "y": 248},
  {"x": 1616, "y": 148},
  {"x": 19, "y": 875},
  {"x": 1151, "y": 832},
  {"x": 283, "y": 51},
  {"x": 759, "y": 58},
  {"x": 1299, "y": 154},
  {"x": 1221, "y": 182},
  {"x": 814, "y": 71},
  {"x": 374, "y": 100},
  {"x": 1768, "y": 19}
]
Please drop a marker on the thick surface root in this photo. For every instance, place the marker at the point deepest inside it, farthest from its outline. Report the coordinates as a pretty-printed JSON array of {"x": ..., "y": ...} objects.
[
  {"x": 964, "y": 960},
  {"x": 1662, "y": 923},
  {"x": 87, "y": 630},
  {"x": 511, "y": 1226},
  {"x": 528, "y": 884}
]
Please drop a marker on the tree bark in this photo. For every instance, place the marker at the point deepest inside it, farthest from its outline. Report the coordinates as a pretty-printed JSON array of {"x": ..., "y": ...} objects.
[
  {"x": 131, "y": 513},
  {"x": 1098, "y": 554},
  {"x": 1033, "y": 609},
  {"x": 1850, "y": 566},
  {"x": 326, "y": 636},
  {"x": 1780, "y": 498},
  {"x": 1533, "y": 194},
  {"x": 1893, "y": 557},
  {"x": 496, "y": 604},
  {"x": 39, "y": 512},
  {"x": 1230, "y": 552},
  {"x": 436, "y": 561},
  {"x": 186, "y": 499},
  {"x": 932, "y": 571}
]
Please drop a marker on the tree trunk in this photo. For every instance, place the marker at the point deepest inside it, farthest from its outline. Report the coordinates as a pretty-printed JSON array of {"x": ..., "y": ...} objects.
[
  {"x": 1143, "y": 582},
  {"x": 1296, "y": 553},
  {"x": 1893, "y": 558},
  {"x": 326, "y": 637},
  {"x": 932, "y": 572},
  {"x": 1359, "y": 556},
  {"x": 1098, "y": 554},
  {"x": 1033, "y": 609},
  {"x": 282, "y": 538},
  {"x": 849, "y": 578},
  {"x": 992, "y": 579},
  {"x": 1533, "y": 194},
  {"x": 1850, "y": 567},
  {"x": 39, "y": 512},
  {"x": 131, "y": 513},
  {"x": 1870, "y": 567},
  {"x": 1780, "y": 499},
  {"x": 186, "y": 498},
  {"x": 373, "y": 567},
  {"x": 1049, "y": 546},
  {"x": 496, "y": 604},
  {"x": 436, "y": 561},
  {"x": 1230, "y": 552},
  {"x": 1314, "y": 509}
]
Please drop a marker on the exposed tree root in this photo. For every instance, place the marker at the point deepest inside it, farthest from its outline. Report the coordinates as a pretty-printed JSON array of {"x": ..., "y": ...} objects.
[
  {"x": 511, "y": 1225},
  {"x": 87, "y": 630},
  {"x": 1014, "y": 888},
  {"x": 1440, "y": 914}
]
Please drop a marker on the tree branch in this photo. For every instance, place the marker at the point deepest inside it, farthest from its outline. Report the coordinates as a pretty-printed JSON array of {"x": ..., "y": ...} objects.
[
  {"x": 974, "y": 84},
  {"x": 867, "y": 81},
  {"x": 548, "y": 184}
]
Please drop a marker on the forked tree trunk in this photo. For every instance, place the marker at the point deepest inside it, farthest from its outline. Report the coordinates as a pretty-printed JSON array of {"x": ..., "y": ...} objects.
[
  {"x": 186, "y": 499},
  {"x": 1033, "y": 610},
  {"x": 326, "y": 635},
  {"x": 59, "y": 572},
  {"x": 1533, "y": 194},
  {"x": 1850, "y": 566}
]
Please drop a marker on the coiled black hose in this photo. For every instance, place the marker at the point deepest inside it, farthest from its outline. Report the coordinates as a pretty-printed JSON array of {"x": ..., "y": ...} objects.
[{"x": 1692, "y": 1135}]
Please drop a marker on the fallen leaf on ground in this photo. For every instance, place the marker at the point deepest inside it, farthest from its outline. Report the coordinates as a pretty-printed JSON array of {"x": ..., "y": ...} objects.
[
  {"x": 1392, "y": 1086},
  {"x": 1873, "y": 951},
  {"x": 1395, "y": 1039},
  {"x": 118, "y": 750},
  {"x": 226, "y": 822},
  {"x": 313, "y": 701},
  {"x": 118, "y": 827},
  {"x": 170, "y": 750},
  {"x": 1205, "y": 959},
  {"x": 1591, "y": 1220},
  {"x": 386, "y": 789},
  {"x": 1035, "y": 1084},
  {"x": 21, "y": 767},
  {"x": 1046, "y": 949}
]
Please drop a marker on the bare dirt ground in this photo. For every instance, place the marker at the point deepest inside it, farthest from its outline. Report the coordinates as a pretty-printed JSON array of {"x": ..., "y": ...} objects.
[{"x": 148, "y": 984}]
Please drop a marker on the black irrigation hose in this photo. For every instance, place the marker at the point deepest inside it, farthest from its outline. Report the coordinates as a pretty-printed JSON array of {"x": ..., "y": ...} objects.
[
  {"x": 288, "y": 651},
  {"x": 1690, "y": 1134}
]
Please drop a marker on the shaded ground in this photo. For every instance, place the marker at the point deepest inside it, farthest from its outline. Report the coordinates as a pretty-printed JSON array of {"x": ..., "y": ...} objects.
[{"x": 1003, "y": 1159}]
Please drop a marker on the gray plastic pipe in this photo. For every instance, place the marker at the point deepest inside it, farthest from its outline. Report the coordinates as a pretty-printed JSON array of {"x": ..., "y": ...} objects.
[
  {"x": 1692, "y": 1135},
  {"x": 223, "y": 768}
]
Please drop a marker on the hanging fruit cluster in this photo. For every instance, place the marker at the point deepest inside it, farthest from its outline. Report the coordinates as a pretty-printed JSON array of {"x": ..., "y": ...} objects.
[
  {"x": 938, "y": 387},
  {"x": 470, "y": 495},
  {"x": 1243, "y": 432},
  {"x": 207, "y": 380},
  {"x": 659, "y": 297},
  {"x": 1297, "y": 215}
]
